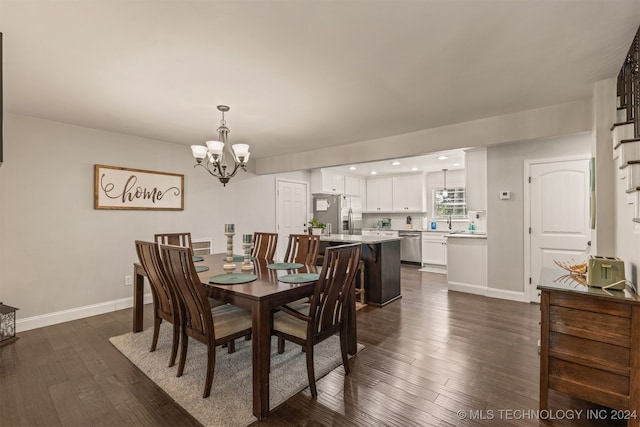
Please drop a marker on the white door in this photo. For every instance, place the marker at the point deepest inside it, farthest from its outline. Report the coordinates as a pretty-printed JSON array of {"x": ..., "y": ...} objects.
[
  {"x": 559, "y": 216},
  {"x": 292, "y": 205}
]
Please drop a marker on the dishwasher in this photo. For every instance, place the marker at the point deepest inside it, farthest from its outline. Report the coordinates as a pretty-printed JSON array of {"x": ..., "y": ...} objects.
[{"x": 410, "y": 246}]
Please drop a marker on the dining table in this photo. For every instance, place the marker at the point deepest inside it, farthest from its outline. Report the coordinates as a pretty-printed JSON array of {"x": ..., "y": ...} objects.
[{"x": 259, "y": 296}]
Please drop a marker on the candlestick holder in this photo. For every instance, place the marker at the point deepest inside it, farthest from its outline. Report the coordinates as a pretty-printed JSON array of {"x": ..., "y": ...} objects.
[
  {"x": 229, "y": 265},
  {"x": 247, "y": 264}
]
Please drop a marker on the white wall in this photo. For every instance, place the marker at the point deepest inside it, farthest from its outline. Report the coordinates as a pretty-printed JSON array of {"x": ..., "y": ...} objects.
[
  {"x": 552, "y": 121},
  {"x": 62, "y": 259},
  {"x": 505, "y": 218},
  {"x": 604, "y": 115},
  {"x": 627, "y": 238}
]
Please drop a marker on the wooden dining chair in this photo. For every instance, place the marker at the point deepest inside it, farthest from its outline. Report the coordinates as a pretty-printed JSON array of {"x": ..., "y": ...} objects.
[
  {"x": 302, "y": 248},
  {"x": 264, "y": 245},
  {"x": 325, "y": 315},
  {"x": 181, "y": 239},
  {"x": 177, "y": 239},
  {"x": 213, "y": 327},
  {"x": 165, "y": 300}
]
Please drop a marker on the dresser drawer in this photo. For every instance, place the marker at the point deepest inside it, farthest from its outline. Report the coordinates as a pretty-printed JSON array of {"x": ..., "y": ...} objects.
[
  {"x": 608, "y": 357},
  {"x": 594, "y": 385},
  {"x": 588, "y": 324},
  {"x": 599, "y": 305}
]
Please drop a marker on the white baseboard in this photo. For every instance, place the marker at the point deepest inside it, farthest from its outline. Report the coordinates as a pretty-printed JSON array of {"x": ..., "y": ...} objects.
[
  {"x": 504, "y": 294},
  {"x": 76, "y": 313},
  {"x": 470, "y": 289},
  {"x": 429, "y": 268},
  {"x": 487, "y": 292}
]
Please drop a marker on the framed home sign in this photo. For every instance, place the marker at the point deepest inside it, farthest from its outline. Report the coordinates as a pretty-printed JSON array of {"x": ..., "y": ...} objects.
[{"x": 123, "y": 188}]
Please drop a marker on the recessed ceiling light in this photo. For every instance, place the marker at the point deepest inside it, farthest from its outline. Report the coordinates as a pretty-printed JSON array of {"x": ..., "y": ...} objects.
[
  {"x": 374, "y": 173},
  {"x": 352, "y": 168},
  {"x": 456, "y": 164},
  {"x": 413, "y": 169},
  {"x": 442, "y": 158},
  {"x": 395, "y": 163}
]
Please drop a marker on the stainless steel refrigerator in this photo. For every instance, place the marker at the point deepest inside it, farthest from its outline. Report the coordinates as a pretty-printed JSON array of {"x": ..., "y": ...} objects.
[{"x": 343, "y": 212}]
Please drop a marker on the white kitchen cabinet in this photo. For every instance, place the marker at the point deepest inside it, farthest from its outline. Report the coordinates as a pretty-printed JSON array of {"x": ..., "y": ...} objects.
[
  {"x": 354, "y": 186},
  {"x": 363, "y": 192},
  {"x": 434, "y": 249},
  {"x": 408, "y": 193},
  {"x": 476, "y": 179},
  {"x": 467, "y": 265},
  {"x": 323, "y": 181},
  {"x": 380, "y": 195}
]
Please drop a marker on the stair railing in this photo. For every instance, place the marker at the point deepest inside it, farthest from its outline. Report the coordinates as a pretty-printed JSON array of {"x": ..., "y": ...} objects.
[{"x": 628, "y": 86}]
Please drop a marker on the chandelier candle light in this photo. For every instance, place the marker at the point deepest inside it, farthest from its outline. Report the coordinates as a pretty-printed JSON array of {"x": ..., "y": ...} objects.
[
  {"x": 217, "y": 152},
  {"x": 229, "y": 265},
  {"x": 247, "y": 244}
]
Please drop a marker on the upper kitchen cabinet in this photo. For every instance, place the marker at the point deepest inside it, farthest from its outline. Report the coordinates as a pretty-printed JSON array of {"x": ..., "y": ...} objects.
[
  {"x": 408, "y": 193},
  {"x": 476, "y": 185},
  {"x": 380, "y": 194},
  {"x": 323, "y": 181},
  {"x": 355, "y": 186}
]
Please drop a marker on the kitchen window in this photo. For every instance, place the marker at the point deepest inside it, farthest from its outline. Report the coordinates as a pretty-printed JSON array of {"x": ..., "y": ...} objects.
[{"x": 450, "y": 204}]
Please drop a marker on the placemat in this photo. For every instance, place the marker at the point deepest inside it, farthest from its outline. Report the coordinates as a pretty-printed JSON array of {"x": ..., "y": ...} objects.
[
  {"x": 240, "y": 258},
  {"x": 201, "y": 268},
  {"x": 299, "y": 278},
  {"x": 232, "y": 279},
  {"x": 198, "y": 258},
  {"x": 284, "y": 265}
]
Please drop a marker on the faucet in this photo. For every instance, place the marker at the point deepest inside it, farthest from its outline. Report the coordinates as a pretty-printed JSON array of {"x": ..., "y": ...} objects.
[{"x": 449, "y": 221}]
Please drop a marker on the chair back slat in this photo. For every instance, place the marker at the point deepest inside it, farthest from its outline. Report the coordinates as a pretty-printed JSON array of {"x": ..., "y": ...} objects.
[
  {"x": 176, "y": 239},
  {"x": 302, "y": 248},
  {"x": 264, "y": 245},
  {"x": 197, "y": 318},
  {"x": 334, "y": 287},
  {"x": 164, "y": 295}
]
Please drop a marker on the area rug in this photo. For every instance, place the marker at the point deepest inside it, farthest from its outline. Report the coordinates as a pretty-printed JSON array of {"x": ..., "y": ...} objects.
[{"x": 230, "y": 402}]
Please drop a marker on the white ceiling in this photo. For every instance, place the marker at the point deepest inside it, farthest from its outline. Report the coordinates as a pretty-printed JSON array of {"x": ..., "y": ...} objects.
[
  {"x": 450, "y": 160},
  {"x": 306, "y": 74}
]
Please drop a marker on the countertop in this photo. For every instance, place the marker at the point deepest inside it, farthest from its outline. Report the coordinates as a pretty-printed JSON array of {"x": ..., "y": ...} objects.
[
  {"x": 448, "y": 233},
  {"x": 355, "y": 238},
  {"x": 415, "y": 230},
  {"x": 468, "y": 235},
  {"x": 561, "y": 280}
]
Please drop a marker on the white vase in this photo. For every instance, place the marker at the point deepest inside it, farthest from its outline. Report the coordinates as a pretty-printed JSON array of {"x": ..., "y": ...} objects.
[{"x": 316, "y": 231}]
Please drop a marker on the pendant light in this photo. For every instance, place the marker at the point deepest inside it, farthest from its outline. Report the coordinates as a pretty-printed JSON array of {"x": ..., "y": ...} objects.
[{"x": 444, "y": 187}]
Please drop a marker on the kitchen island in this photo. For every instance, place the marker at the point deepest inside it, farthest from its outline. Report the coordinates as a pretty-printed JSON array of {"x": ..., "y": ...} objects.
[{"x": 381, "y": 257}]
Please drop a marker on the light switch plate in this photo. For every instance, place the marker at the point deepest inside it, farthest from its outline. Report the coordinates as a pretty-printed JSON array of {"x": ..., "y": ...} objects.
[{"x": 505, "y": 195}]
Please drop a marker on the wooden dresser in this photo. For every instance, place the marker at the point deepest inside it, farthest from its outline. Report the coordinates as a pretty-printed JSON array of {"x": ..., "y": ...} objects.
[{"x": 590, "y": 344}]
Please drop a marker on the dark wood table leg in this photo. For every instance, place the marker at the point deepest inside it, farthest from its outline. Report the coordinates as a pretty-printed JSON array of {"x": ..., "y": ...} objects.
[
  {"x": 138, "y": 297},
  {"x": 261, "y": 349}
]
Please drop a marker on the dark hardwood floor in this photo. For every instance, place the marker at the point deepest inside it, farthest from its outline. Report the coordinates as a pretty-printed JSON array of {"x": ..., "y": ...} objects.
[{"x": 431, "y": 358}]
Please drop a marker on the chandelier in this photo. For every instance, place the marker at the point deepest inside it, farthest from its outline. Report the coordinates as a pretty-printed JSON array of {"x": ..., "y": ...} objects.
[{"x": 216, "y": 153}]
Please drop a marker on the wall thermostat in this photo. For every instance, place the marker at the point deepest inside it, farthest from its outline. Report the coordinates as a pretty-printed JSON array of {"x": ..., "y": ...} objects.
[{"x": 505, "y": 195}]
